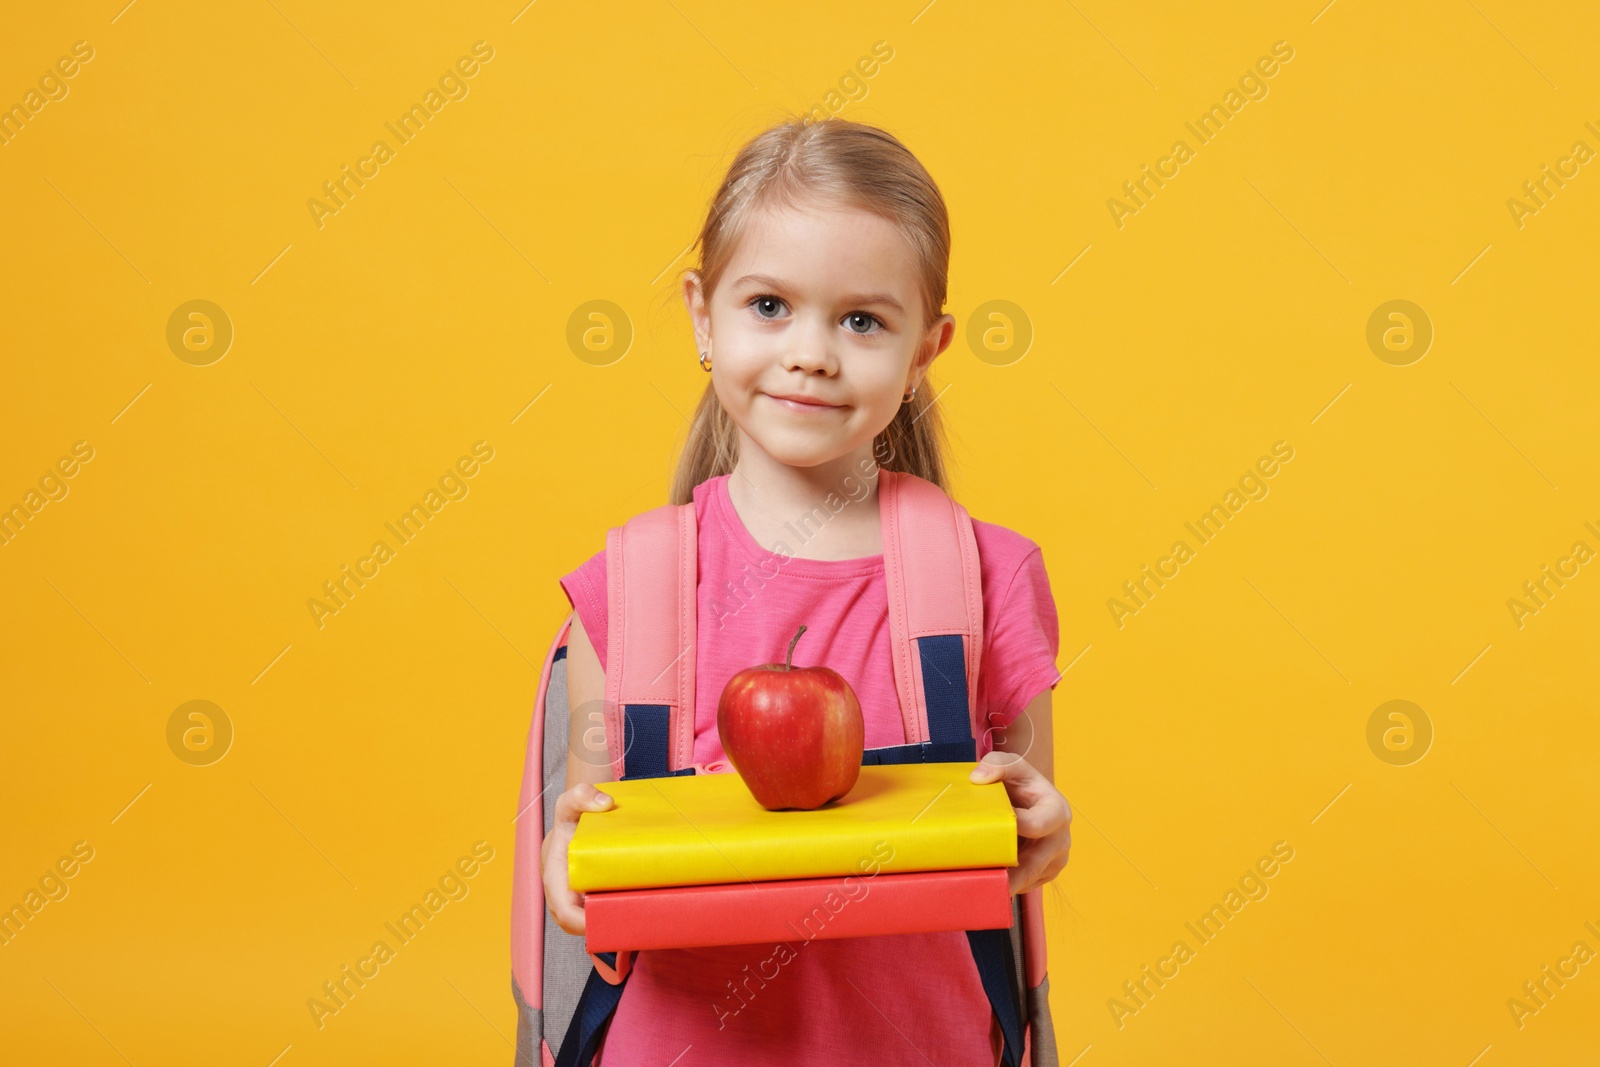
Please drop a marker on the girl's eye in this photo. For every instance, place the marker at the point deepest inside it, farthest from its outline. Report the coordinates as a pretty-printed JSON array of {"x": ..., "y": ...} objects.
[
  {"x": 763, "y": 304},
  {"x": 768, "y": 308}
]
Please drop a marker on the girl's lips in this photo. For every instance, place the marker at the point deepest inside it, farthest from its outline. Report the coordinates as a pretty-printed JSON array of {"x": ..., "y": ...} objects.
[{"x": 796, "y": 405}]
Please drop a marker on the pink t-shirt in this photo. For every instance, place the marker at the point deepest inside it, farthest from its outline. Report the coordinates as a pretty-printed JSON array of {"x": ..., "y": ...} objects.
[{"x": 889, "y": 1000}]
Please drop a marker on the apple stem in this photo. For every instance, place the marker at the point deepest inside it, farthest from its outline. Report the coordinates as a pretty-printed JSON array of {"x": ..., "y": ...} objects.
[{"x": 787, "y": 659}]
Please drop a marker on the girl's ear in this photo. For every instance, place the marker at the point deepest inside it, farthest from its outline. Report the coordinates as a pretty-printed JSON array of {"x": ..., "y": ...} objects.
[
  {"x": 699, "y": 310},
  {"x": 937, "y": 338}
]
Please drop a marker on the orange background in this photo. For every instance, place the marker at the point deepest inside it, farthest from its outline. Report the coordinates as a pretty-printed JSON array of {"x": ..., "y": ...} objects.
[{"x": 1165, "y": 356}]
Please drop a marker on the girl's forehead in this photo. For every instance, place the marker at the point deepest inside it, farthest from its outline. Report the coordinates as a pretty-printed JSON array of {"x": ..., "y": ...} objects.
[{"x": 824, "y": 245}]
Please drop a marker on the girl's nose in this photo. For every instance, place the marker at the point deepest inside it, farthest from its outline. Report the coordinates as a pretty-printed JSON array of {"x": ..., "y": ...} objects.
[{"x": 809, "y": 351}]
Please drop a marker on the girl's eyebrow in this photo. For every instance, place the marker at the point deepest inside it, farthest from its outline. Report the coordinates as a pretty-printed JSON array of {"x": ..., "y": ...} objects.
[{"x": 852, "y": 298}]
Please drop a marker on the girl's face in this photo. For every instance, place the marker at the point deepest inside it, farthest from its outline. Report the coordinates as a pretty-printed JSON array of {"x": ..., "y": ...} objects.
[{"x": 815, "y": 332}]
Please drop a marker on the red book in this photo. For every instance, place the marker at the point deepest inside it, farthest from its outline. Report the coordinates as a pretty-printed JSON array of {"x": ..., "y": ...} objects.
[{"x": 804, "y": 909}]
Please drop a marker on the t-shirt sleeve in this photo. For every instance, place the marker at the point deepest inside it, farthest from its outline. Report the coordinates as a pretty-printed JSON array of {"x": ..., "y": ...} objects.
[
  {"x": 1019, "y": 660},
  {"x": 586, "y": 590}
]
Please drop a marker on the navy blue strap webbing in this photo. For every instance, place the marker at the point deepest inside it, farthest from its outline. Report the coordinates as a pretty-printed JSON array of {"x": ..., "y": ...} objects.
[
  {"x": 595, "y": 1007},
  {"x": 927, "y": 752},
  {"x": 991, "y": 951},
  {"x": 647, "y": 742},
  {"x": 944, "y": 683}
]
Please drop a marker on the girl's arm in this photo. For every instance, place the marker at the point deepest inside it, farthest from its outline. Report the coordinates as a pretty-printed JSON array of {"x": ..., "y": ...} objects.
[
  {"x": 1036, "y": 745},
  {"x": 587, "y": 759},
  {"x": 587, "y": 765}
]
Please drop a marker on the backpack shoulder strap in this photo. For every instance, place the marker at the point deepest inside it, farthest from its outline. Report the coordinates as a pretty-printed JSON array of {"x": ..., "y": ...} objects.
[
  {"x": 527, "y": 886},
  {"x": 930, "y": 560},
  {"x": 650, "y": 642}
]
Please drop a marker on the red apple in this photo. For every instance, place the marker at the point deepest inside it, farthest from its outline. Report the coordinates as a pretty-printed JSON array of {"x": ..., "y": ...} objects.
[{"x": 794, "y": 734}]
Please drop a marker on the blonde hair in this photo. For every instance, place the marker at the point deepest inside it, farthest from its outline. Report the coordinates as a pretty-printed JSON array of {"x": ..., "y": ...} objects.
[{"x": 832, "y": 161}]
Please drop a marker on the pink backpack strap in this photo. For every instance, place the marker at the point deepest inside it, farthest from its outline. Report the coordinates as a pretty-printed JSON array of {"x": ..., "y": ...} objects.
[
  {"x": 650, "y": 642},
  {"x": 930, "y": 559},
  {"x": 527, "y": 884}
]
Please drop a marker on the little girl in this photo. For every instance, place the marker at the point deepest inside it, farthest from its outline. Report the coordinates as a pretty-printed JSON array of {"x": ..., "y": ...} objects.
[{"x": 817, "y": 312}]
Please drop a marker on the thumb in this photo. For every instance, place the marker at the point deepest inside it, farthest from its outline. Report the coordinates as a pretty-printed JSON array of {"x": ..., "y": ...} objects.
[
  {"x": 992, "y": 767},
  {"x": 590, "y": 798}
]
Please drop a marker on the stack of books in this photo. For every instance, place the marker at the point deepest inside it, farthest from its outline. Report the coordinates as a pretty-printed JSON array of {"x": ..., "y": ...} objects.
[{"x": 694, "y": 861}]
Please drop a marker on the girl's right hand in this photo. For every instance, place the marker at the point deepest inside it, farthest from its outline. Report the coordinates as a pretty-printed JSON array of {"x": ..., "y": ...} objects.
[{"x": 564, "y": 903}]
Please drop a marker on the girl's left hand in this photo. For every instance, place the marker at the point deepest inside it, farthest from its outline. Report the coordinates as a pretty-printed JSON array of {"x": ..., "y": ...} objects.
[{"x": 1044, "y": 819}]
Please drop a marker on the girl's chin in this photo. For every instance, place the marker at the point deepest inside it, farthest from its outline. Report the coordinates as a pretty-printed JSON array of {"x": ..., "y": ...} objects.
[{"x": 801, "y": 453}]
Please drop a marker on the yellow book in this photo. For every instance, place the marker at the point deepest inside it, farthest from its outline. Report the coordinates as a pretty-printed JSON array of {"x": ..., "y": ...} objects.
[{"x": 703, "y": 829}]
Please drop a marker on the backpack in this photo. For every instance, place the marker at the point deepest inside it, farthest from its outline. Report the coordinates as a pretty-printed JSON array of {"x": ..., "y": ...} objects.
[{"x": 565, "y": 995}]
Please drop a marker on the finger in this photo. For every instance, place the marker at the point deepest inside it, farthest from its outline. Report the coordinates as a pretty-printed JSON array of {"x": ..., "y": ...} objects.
[
  {"x": 1056, "y": 862},
  {"x": 564, "y": 904},
  {"x": 993, "y": 763},
  {"x": 1046, "y": 816},
  {"x": 566, "y": 907},
  {"x": 1021, "y": 877},
  {"x": 561, "y": 901},
  {"x": 1022, "y": 779},
  {"x": 1038, "y": 862},
  {"x": 579, "y": 799},
  {"x": 1024, "y": 876}
]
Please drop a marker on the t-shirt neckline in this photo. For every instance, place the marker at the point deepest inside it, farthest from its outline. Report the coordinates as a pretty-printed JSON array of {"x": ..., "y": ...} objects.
[{"x": 723, "y": 512}]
